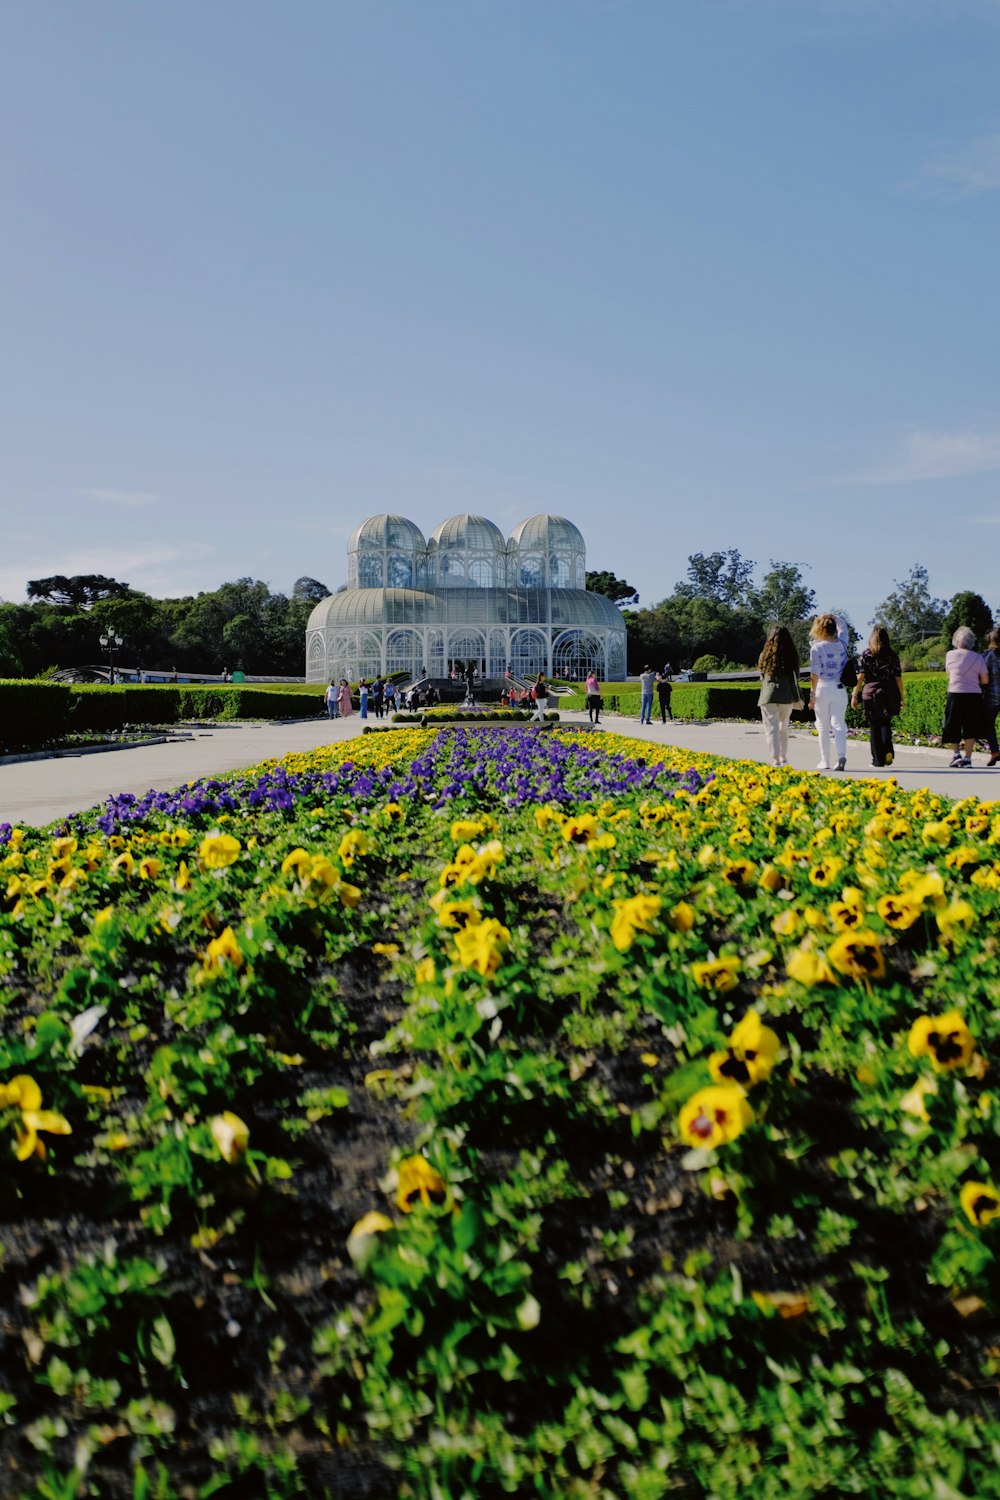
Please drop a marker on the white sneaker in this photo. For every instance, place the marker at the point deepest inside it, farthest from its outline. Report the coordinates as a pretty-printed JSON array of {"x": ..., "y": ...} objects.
[{"x": 822, "y": 766}]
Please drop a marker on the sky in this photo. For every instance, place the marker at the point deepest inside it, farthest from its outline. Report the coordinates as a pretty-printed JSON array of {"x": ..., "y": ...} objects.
[{"x": 697, "y": 274}]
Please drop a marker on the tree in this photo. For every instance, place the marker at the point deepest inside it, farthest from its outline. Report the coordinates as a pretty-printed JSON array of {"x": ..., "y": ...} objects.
[
  {"x": 967, "y": 608},
  {"x": 616, "y": 589},
  {"x": 783, "y": 598},
  {"x": 909, "y": 612},
  {"x": 310, "y": 589},
  {"x": 723, "y": 576},
  {"x": 82, "y": 590}
]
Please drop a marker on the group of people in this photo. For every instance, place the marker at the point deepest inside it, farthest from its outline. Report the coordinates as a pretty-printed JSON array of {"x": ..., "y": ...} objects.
[
  {"x": 381, "y": 696},
  {"x": 875, "y": 684},
  {"x": 651, "y": 682}
]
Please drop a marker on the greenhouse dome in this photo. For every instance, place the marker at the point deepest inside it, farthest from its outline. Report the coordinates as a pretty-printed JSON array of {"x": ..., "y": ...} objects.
[{"x": 465, "y": 595}]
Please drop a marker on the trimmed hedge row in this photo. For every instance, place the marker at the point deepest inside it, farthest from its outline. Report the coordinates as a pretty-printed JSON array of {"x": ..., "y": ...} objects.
[
  {"x": 33, "y": 713},
  {"x": 922, "y": 716}
]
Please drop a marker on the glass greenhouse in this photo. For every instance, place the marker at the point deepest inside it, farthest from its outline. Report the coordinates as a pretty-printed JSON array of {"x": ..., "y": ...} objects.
[{"x": 465, "y": 594}]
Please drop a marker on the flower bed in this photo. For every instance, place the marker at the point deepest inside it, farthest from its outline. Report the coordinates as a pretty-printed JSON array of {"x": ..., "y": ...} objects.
[{"x": 469, "y": 1114}]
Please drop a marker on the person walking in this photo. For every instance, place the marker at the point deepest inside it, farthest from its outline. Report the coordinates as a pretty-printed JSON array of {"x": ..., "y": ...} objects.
[
  {"x": 880, "y": 690},
  {"x": 647, "y": 681},
  {"x": 779, "y": 691},
  {"x": 331, "y": 700},
  {"x": 992, "y": 704},
  {"x": 378, "y": 696},
  {"x": 963, "y": 712},
  {"x": 470, "y": 683},
  {"x": 363, "y": 697},
  {"x": 540, "y": 693},
  {"x": 593, "y": 691},
  {"x": 344, "y": 698},
  {"x": 390, "y": 696},
  {"x": 664, "y": 690},
  {"x": 828, "y": 696}
]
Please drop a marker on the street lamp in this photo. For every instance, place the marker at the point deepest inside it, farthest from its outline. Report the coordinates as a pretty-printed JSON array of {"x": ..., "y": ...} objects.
[{"x": 111, "y": 643}]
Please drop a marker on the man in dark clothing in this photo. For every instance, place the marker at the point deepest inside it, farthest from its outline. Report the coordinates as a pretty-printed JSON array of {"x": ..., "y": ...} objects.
[{"x": 663, "y": 692}]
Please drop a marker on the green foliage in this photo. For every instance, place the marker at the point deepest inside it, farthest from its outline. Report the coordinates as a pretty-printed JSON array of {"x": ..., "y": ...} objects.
[
  {"x": 909, "y": 612},
  {"x": 32, "y": 712},
  {"x": 968, "y": 608}
]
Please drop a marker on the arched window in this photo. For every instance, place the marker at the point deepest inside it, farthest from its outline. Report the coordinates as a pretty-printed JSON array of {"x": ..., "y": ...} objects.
[
  {"x": 481, "y": 573},
  {"x": 404, "y": 652},
  {"x": 528, "y": 653},
  {"x": 531, "y": 574},
  {"x": 575, "y": 653},
  {"x": 498, "y": 654},
  {"x": 559, "y": 574},
  {"x": 466, "y": 646},
  {"x": 434, "y": 659},
  {"x": 369, "y": 659},
  {"x": 616, "y": 658}
]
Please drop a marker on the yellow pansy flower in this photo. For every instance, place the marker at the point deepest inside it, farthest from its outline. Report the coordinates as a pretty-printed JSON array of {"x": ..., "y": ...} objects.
[
  {"x": 222, "y": 951},
  {"x": 980, "y": 1203},
  {"x": 808, "y": 968},
  {"x": 218, "y": 851},
  {"x": 633, "y": 914},
  {"x": 352, "y": 846},
  {"x": 714, "y": 1117},
  {"x": 418, "y": 1183},
  {"x": 230, "y": 1134},
  {"x": 857, "y": 954},
  {"x": 946, "y": 1040},
  {"x": 480, "y": 946},
  {"x": 465, "y": 829},
  {"x": 716, "y": 974},
  {"x": 750, "y": 1054},
  {"x": 22, "y": 1093}
]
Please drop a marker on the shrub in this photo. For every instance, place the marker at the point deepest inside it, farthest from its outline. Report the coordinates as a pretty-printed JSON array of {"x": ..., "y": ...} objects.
[{"x": 32, "y": 712}]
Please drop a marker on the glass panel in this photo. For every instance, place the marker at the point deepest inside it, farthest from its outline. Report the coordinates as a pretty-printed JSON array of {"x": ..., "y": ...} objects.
[
  {"x": 532, "y": 573},
  {"x": 528, "y": 654},
  {"x": 575, "y": 653},
  {"x": 404, "y": 652},
  {"x": 370, "y": 570},
  {"x": 481, "y": 573},
  {"x": 400, "y": 571}
]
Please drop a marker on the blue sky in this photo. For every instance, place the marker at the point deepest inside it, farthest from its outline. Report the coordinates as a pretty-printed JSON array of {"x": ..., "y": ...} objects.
[{"x": 696, "y": 273}]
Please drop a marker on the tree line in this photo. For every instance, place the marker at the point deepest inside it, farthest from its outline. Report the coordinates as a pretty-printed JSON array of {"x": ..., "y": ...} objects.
[
  {"x": 243, "y": 625},
  {"x": 719, "y": 615}
]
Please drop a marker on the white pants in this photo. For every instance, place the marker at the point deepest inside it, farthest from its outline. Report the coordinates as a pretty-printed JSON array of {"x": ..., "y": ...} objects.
[
  {"x": 831, "y": 705},
  {"x": 776, "y": 717}
]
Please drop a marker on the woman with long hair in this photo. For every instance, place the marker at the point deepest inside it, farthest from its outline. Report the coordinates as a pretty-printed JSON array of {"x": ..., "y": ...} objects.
[
  {"x": 880, "y": 690},
  {"x": 828, "y": 698},
  {"x": 779, "y": 691}
]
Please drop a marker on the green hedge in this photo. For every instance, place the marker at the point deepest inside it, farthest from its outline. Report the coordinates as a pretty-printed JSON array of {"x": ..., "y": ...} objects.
[
  {"x": 922, "y": 716},
  {"x": 31, "y": 713},
  {"x": 34, "y": 713}
]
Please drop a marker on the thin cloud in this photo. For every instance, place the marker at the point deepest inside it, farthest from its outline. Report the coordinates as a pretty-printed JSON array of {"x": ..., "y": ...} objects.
[
  {"x": 160, "y": 570},
  {"x": 935, "y": 455},
  {"x": 966, "y": 172},
  {"x": 121, "y": 497}
]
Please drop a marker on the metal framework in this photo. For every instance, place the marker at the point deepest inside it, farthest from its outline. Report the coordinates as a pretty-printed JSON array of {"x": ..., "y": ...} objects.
[{"x": 465, "y": 595}]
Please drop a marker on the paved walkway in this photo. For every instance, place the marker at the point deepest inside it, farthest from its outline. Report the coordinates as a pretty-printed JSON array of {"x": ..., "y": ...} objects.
[{"x": 39, "y": 791}]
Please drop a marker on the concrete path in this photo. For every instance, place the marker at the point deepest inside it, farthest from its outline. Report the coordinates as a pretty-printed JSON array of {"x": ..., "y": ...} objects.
[
  {"x": 39, "y": 791},
  {"x": 913, "y": 766},
  {"x": 34, "y": 792}
]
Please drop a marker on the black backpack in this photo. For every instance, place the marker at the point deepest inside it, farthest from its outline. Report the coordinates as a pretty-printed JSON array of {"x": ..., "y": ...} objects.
[{"x": 849, "y": 676}]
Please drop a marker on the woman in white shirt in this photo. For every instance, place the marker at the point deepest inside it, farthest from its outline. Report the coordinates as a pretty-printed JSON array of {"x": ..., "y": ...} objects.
[{"x": 828, "y": 698}]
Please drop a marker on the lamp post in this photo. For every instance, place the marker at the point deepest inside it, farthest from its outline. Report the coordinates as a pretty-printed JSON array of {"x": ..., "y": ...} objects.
[{"x": 112, "y": 641}]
